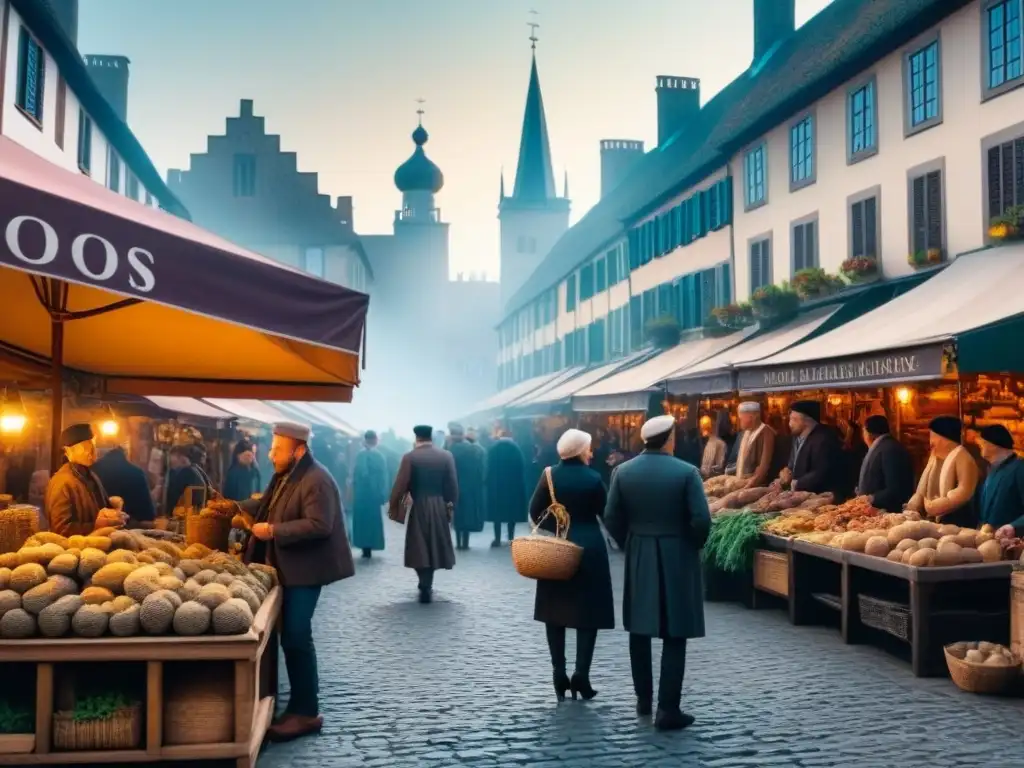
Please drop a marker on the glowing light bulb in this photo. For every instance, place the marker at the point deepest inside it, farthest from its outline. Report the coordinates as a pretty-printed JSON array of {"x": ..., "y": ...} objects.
[
  {"x": 109, "y": 428},
  {"x": 903, "y": 395},
  {"x": 12, "y": 423}
]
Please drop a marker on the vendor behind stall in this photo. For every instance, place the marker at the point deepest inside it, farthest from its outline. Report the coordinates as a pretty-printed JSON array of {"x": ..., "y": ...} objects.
[
  {"x": 716, "y": 449},
  {"x": 756, "y": 455},
  {"x": 1002, "y": 493},
  {"x": 76, "y": 502},
  {"x": 183, "y": 474},
  {"x": 815, "y": 461},
  {"x": 946, "y": 489},
  {"x": 887, "y": 472},
  {"x": 122, "y": 478}
]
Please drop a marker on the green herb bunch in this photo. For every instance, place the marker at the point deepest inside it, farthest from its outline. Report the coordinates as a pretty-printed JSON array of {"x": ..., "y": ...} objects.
[
  {"x": 100, "y": 707},
  {"x": 15, "y": 719},
  {"x": 730, "y": 546}
]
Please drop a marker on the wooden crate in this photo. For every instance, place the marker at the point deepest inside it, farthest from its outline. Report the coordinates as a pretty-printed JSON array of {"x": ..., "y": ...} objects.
[
  {"x": 1017, "y": 613},
  {"x": 771, "y": 572}
]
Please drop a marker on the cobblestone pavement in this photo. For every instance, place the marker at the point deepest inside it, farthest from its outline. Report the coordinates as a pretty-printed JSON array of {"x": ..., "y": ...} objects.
[{"x": 465, "y": 681}]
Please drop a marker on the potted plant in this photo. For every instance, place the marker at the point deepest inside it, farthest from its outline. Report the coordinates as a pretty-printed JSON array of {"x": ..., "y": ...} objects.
[
  {"x": 17, "y": 729},
  {"x": 105, "y": 721},
  {"x": 1009, "y": 225},
  {"x": 860, "y": 269},
  {"x": 731, "y": 317},
  {"x": 814, "y": 282},
  {"x": 663, "y": 332},
  {"x": 774, "y": 303}
]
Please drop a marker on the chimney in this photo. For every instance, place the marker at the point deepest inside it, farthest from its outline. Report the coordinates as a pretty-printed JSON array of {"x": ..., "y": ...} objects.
[
  {"x": 774, "y": 21},
  {"x": 344, "y": 209},
  {"x": 678, "y": 104},
  {"x": 618, "y": 156},
  {"x": 245, "y": 108},
  {"x": 66, "y": 13},
  {"x": 110, "y": 73}
]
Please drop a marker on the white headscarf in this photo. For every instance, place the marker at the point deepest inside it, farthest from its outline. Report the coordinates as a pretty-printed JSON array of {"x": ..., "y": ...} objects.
[{"x": 573, "y": 443}]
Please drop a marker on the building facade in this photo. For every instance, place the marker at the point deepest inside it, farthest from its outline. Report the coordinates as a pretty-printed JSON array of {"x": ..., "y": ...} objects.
[
  {"x": 69, "y": 109},
  {"x": 882, "y": 130}
]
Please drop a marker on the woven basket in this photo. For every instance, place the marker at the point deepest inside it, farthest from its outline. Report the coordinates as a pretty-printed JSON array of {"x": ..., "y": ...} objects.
[
  {"x": 548, "y": 558},
  {"x": 122, "y": 730},
  {"x": 979, "y": 678},
  {"x": 212, "y": 532},
  {"x": 200, "y": 709},
  {"x": 17, "y": 523}
]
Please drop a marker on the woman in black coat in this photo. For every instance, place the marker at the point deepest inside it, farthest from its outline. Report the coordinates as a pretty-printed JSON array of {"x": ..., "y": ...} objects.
[{"x": 584, "y": 602}]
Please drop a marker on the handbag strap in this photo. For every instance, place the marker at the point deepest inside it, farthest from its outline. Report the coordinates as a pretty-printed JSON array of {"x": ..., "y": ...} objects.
[
  {"x": 551, "y": 484},
  {"x": 562, "y": 519}
]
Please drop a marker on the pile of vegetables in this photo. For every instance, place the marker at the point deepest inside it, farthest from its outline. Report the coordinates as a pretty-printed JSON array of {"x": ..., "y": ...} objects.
[
  {"x": 732, "y": 541},
  {"x": 989, "y": 654},
  {"x": 124, "y": 583}
]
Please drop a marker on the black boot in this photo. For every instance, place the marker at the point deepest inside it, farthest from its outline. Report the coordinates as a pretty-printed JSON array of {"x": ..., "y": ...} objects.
[
  {"x": 586, "y": 639},
  {"x": 640, "y": 666},
  {"x": 497, "y": 536},
  {"x": 556, "y": 646},
  {"x": 672, "y": 720},
  {"x": 367, "y": 553}
]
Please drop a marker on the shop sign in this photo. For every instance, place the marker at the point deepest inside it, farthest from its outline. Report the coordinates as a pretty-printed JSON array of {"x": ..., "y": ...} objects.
[
  {"x": 703, "y": 385},
  {"x": 889, "y": 367}
]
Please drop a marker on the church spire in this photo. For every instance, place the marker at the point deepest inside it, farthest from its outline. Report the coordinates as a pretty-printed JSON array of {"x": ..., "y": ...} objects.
[{"x": 535, "y": 180}]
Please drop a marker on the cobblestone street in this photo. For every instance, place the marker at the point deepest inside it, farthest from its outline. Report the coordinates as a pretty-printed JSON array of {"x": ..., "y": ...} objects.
[{"x": 466, "y": 681}]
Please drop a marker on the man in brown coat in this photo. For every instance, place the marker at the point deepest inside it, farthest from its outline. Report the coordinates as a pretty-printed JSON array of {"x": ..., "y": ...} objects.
[
  {"x": 428, "y": 474},
  {"x": 75, "y": 497},
  {"x": 756, "y": 459},
  {"x": 299, "y": 530}
]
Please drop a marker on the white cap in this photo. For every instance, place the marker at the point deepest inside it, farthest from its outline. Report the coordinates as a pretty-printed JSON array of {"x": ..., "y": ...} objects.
[
  {"x": 659, "y": 425},
  {"x": 295, "y": 431},
  {"x": 750, "y": 406},
  {"x": 572, "y": 443}
]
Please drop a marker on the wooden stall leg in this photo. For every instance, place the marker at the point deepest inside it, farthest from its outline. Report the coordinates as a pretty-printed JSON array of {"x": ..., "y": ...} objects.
[
  {"x": 245, "y": 700},
  {"x": 154, "y": 708},
  {"x": 920, "y": 642},
  {"x": 798, "y": 592},
  {"x": 851, "y": 604},
  {"x": 44, "y": 707}
]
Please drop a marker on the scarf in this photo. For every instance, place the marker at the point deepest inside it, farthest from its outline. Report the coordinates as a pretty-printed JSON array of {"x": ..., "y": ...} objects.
[
  {"x": 92, "y": 484},
  {"x": 748, "y": 438}
]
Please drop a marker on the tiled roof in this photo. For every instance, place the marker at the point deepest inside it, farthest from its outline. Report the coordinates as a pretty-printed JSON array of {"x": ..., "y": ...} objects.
[{"x": 846, "y": 38}]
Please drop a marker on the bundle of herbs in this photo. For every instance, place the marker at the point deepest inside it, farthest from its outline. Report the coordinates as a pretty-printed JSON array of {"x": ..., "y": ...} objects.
[
  {"x": 16, "y": 718},
  {"x": 730, "y": 546}
]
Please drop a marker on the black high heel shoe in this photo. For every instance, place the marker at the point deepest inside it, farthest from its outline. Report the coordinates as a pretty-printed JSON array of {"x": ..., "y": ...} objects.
[
  {"x": 562, "y": 684},
  {"x": 581, "y": 685}
]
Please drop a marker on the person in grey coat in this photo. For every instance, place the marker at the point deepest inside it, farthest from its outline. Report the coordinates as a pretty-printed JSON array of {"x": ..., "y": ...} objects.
[
  {"x": 427, "y": 473},
  {"x": 658, "y": 513},
  {"x": 470, "y": 465},
  {"x": 507, "y": 498}
]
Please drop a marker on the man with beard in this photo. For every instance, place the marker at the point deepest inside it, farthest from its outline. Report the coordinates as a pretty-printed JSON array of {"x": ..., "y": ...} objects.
[
  {"x": 470, "y": 464},
  {"x": 506, "y": 486},
  {"x": 300, "y": 531}
]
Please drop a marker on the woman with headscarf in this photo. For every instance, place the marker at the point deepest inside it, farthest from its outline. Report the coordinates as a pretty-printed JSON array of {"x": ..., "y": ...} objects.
[
  {"x": 950, "y": 478},
  {"x": 584, "y": 602}
]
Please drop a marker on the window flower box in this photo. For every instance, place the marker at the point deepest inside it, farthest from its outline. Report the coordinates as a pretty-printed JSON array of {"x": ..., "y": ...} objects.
[
  {"x": 663, "y": 332},
  {"x": 1008, "y": 227},
  {"x": 730, "y": 318},
  {"x": 927, "y": 258},
  {"x": 814, "y": 282},
  {"x": 860, "y": 269},
  {"x": 773, "y": 304}
]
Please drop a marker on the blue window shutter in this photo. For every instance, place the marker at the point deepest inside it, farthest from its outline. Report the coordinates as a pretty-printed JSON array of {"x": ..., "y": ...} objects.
[
  {"x": 636, "y": 322},
  {"x": 705, "y": 214},
  {"x": 633, "y": 249},
  {"x": 678, "y": 304},
  {"x": 723, "y": 278},
  {"x": 725, "y": 206},
  {"x": 689, "y": 311},
  {"x": 570, "y": 293},
  {"x": 23, "y": 41},
  {"x": 684, "y": 220}
]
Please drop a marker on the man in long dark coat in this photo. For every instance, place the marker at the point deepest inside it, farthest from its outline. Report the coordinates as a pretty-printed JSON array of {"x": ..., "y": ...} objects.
[
  {"x": 506, "y": 486},
  {"x": 369, "y": 494},
  {"x": 658, "y": 513},
  {"x": 887, "y": 472},
  {"x": 427, "y": 474},
  {"x": 815, "y": 460},
  {"x": 470, "y": 465}
]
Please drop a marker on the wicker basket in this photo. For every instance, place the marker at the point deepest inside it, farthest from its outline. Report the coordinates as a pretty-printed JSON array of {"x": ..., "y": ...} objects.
[
  {"x": 122, "y": 730},
  {"x": 771, "y": 572},
  {"x": 17, "y": 523},
  {"x": 212, "y": 531},
  {"x": 200, "y": 708},
  {"x": 548, "y": 558},
  {"x": 1017, "y": 614},
  {"x": 885, "y": 615},
  {"x": 979, "y": 678}
]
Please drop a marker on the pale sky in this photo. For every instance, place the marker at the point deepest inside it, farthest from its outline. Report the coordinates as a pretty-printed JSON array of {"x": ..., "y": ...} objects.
[{"x": 339, "y": 79}]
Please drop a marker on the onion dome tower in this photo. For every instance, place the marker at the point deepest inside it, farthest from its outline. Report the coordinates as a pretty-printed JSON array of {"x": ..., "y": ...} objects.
[{"x": 419, "y": 179}]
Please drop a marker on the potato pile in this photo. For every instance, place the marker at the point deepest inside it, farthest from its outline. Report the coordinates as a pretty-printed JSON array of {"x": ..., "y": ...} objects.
[
  {"x": 921, "y": 543},
  {"x": 126, "y": 583},
  {"x": 722, "y": 485},
  {"x": 989, "y": 654}
]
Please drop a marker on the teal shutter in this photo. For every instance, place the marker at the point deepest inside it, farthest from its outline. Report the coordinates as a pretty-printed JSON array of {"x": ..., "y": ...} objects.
[
  {"x": 689, "y": 308},
  {"x": 723, "y": 278},
  {"x": 633, "y": 249},
  {"x": 725, "y": 206}
]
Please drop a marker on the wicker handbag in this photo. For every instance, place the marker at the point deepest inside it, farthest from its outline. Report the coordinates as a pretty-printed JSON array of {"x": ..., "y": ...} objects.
[{"x": 548, "y": 558}]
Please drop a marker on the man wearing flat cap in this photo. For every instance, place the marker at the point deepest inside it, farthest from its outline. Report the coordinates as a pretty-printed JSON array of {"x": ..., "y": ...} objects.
[
  {"x": 756, "y": 456},
  {"x": 470, "y": 465},
  {"x": 1002, "y": 493},
  {"x": 76, "y": 501},
  {"x": 950, "y": 478},
  {"x": 887, "y": 472},
  {"x": 815, "y": 461},
  {"x": 300, "y": 530},
  {"x": 658, "y": 514},
  {"x": 427, "y": 473}
]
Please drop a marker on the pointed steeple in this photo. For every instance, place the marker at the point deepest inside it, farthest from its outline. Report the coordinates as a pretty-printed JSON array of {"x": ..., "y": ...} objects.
[
  {"x": 565, "y": 186},
  {"x": 535, "y": 180},
  {"x": 501, "y": 192}
]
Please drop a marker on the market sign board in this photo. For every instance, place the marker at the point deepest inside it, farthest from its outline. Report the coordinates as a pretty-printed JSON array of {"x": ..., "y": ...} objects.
[
  {"x": 877, "y": 369},
  {"x": 712, "y": 384}
]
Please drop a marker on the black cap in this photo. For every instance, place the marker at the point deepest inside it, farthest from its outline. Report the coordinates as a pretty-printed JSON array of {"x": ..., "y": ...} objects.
[
  {"x": 998, "y": 435},
  {"x": 809, "y": 408},
  {"x": 423, "y": 432},
  {"x": 948, "y": 427},
  {"x": 370, "y": 436},
  {"x": 877, "y": 425},
  {"x": 75, "y": 434}
]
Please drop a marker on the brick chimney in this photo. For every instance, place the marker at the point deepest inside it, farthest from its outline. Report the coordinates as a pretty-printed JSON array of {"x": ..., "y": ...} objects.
[
  {"x": 774, "y": 21},
  {"x": 678, "y": 104},
  {"x": 110, "y": 73},
  {"x": 618, "y": 156},
  {"x": 66, "y": 13},
  {"x": 344, "y": 209}
]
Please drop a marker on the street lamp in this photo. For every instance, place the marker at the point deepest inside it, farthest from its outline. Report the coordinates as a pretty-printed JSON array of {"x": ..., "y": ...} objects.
[{"x": 109, "y": 428}]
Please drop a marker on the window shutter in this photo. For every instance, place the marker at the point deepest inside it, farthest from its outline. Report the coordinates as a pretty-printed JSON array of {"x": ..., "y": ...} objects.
[
  {"x": 1005, "y": 191},
  {"x": 766, "y": 262},
  {"x": 712, "y": 205},
  {"x": 632, "y": 250},
  {"x": 756, "y": 278},
  {"x": 725, "y": 188},
  {"x": 723, "y": 278},
  {"x": 918, "y": 214},
  {"x": 1018, "y": 172},
  {"x": 677, "y": 226},
  {"x": 798, "y": 247},
  {"x": 871, "y": 227},
  {"x": 857, "y": 228},
  {"x": 708, "y": 291},
  {"x": 636, "y": 322},
  {"x": 934, "y": 212},
  {"x": 810, "y": 251}
]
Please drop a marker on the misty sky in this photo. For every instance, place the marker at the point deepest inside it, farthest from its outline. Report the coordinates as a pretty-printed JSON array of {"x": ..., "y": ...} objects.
[{"x": 339, "y": 79}]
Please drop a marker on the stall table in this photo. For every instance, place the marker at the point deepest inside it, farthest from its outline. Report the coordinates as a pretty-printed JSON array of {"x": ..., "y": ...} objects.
[
  {"x": 772, "y": 570},
  {"x": 253, "y": 656}
]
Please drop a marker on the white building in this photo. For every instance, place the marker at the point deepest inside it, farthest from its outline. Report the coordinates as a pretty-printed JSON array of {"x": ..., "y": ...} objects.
[{"x": 69, "y": 109}]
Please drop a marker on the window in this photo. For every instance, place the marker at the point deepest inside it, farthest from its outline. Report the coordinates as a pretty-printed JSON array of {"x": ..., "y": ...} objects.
[
  {"x": 923, "y": 88},
  {"x": 587, "y": 282},
  {"x": 600, "y": 276},
  {"x": 612, "y": 257},
  {"x": 31, "y": 77},
  {"x": 926, "y": 212},
  {"x": 313, "y": 261},
  {"x": 636, "y": 322},
  {"x": 113, "y": 170},
  {"x": 1005, "y": 177},
  {"x": 1002, "y": 45},
  {"x": 755, "y": 172},
  {"x": 801, "y": 153},
  {"x": 863, "y": 135},
  {"x": 864, "y": 228},
  {"x": 570, "y": 293},
  {"x": 805, "y": 245},
  {"x": 616, "y": 336},
  {"x": 60, "y": 117},
  {"x": 84, "y": 142},
  {"x": 131, "y": 188},
  {"x": 595, "y": 342},
  {"x": 760, "y": 263},
  {"x": 245, "y": 175}
]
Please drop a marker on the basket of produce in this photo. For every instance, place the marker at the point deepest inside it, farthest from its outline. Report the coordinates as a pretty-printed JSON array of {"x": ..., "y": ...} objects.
[
  {"x": 199, "y": 708},
  {"x": 548, "y": 558},
  {"x": 17, "y": 523},
  {"x": 98, "y": 723},
  {"x": 982, "y": 667},
  {"x": 212, "y": 526}
]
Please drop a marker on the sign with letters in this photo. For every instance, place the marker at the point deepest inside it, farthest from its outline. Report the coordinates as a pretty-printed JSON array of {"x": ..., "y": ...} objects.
[{"x": 712, "y": 384}]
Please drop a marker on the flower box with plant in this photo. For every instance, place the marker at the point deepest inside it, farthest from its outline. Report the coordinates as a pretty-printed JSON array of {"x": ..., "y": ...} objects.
[
  {"x": 1009, "y": 225},
  {"x": 663, "y": 331},
  {"x": 926, "y": 258},
  {"x": 17, "y": 729},
  {"x": 813, "y": 282},
  {"x": 106, "y": 721},
  {"x": 859, "y": 269},
  {"x": 773, "y": 302},
  {"x": 732, "y": 317}
]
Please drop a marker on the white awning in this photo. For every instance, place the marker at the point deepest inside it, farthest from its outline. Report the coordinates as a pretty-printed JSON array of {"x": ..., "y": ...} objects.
[
  {"x": 716, "y": 374},
  {"x": 562, "y": 393},
  {"x": 338, "y": 411},
  {"x": 252, "y": 410},
  {"x": 189, "y": 406},
  {"x": 629, "y": 389},
  {"x": 903, "y": 339},
  {"x": 318, "y": 416},
  {"x": 494, "y": 405}
]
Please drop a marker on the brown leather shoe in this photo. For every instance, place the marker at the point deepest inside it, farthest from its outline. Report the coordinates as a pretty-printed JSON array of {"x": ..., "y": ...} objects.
[{"x": 291, "y": 727}]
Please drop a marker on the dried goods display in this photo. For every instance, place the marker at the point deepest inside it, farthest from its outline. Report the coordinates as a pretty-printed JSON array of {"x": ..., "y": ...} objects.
[
  {"x": 124, "y": 583},
  {"x": 737, "y": 499},
  {"x": 723, "y": 484}
]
